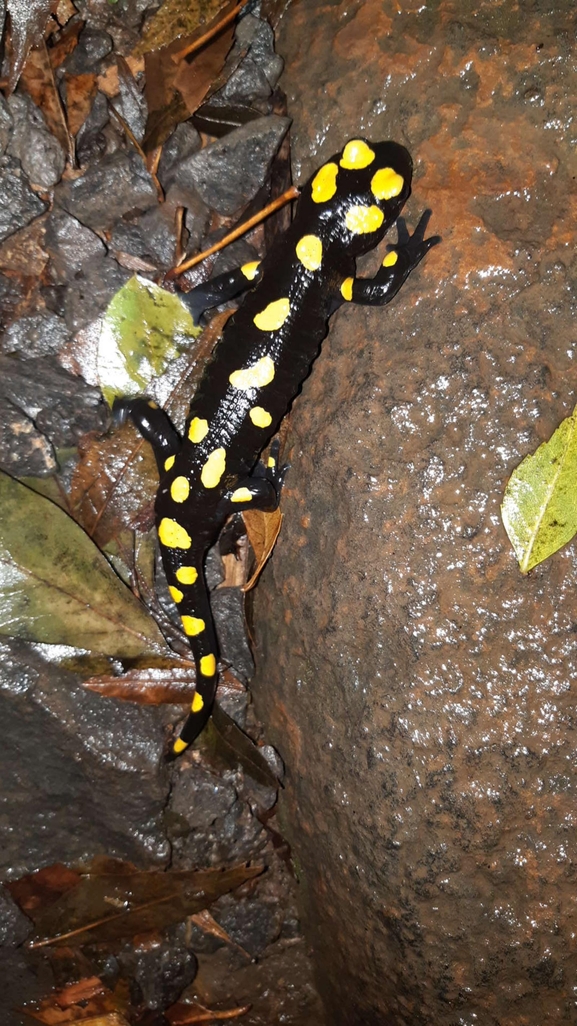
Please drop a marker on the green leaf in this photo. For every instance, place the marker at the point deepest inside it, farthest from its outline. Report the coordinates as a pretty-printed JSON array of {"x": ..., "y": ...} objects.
[
  {"x": 57, "y": 587},
  {"x": 143, "y": 330},
  {"x": 539, "y": 508}
]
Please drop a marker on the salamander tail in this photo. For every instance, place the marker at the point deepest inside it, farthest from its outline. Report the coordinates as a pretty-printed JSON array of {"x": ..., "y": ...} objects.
[{"x": 194, "y": 607}]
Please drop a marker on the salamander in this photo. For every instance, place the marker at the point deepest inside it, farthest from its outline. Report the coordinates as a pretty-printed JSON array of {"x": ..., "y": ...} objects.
[{"x": 266, "y": 351}]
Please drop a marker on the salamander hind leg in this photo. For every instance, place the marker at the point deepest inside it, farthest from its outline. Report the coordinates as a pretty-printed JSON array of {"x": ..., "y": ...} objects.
[
  {"x": 153, "y": 424},
  {"x": 262, "y": 489}
]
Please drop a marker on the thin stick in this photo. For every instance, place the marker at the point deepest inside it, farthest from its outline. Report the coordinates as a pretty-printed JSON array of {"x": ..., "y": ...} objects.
[
  {"x": 196, "y": 45},
  {"x": 280, "y": 201}
]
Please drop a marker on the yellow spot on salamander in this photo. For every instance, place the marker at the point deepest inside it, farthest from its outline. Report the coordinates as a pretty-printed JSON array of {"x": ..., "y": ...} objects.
[
  {"x": 386, "y": 183},
  {"x": 357, "y": 155},
  {"x": 324, "y": 183},
  {"x": 197, "y": 703},
  {"x": 250, "y": 270},
  {"x": 179, "y": 746},
  {"x": 390, "y": 259},
  {"x": 241, "y": 495},
  {"x": 152, "y": 404},
  {"x": 179, "y": 489},
  {"x": 273, "y": 316},
  {"x": 177, "y": 595},
  {"x": 260, "y": 418},
  {"x": 169, "y": 462},
  {"x": 173, "y": 535},
  {"x": 347, "y": 289},
  {"x": 362, "y": 220},
  {"x": 213, "y": 469},
  {"x": 309, "y": 250},
  {"x": 271, "y": 462},
  {"x": 208, "y": 666},
  {"x": 192, "y": 625},
  {"x": 198, "y": 429},
  {"x": 256, "y": 376},
  {"x": 186, "y": 574}
]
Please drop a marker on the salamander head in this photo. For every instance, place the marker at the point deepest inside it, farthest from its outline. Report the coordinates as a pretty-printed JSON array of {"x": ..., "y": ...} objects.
[{"x": 358, "y": 194}]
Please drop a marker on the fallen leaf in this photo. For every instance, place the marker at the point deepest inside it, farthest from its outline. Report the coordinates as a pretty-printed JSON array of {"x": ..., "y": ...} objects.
[
  {"x": 178, "y": 19},
  {"x": 539, "y": 508},
  {"x": 263, "y": 530},
  {"x": 182, "y": 1014},
  {"x": 237, "y": 747},
  {"x": 57, "y": 588},
  {"x": 143, "y": 330},
  {"x": 149, "y": 686},
  {"x": 209, "y": 925},
  {"x": 108, "y": 79},
  {"x": 28, "y": 19},
  {"x": 194, "y": 78},
  {"x": 38, "y": 81},
  {"x": 107, "y": 906},
  {"x": 24, "y": 251},
  {"x": 80, "y": 93},
  {"x": 66, "y": 43}
]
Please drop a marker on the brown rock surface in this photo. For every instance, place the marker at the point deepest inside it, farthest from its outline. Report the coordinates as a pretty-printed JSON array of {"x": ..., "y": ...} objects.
[{"x": 419, "y": 688}]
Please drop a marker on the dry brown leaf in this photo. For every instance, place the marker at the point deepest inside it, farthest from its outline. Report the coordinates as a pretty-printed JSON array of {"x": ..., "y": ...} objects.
[
  {"x": 108, "y": 80},
  {"x": 28, "y": 20},
  {"x": 66, "y": 43},
  {"x": 38, "y": 81},
  {"x": 80, "y": 93},
  {"x": 263, "y": 530},
  {"x": 65, "y": 10},
  {"x": 208, "y": 923},
  {"x": 194, "y": 78},
  {"x": 149, "y": 686},
  {"x": 108, "y": 1019},
  {"x": 24, "y": 251}
]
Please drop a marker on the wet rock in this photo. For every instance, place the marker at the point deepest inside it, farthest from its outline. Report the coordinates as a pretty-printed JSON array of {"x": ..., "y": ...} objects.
[
  {"x": 131, "y": 104},
  {"x": 207, "y": 823},
  {"x": 38, "y": 151},
  {"x": 93, "y": 46},
  {"x": 24, "y": 450},
  {"x": 14, "y": 925},
  {"x": 160, "y": 967},
  {"x": 90, "y": 292},
  {"x": 71, "y": 244},
  {"x": 91, "y": 141},
  {"x": 54, "y": 297},
  {"x": 5, "y": 124},
  {"x": 62, "y": 405},
  {"x": 229, "y": 613},
  {"x": 256, "y": 35},
  {"x": 115, "y": 186},
  {"x": 230, "y": 171},
  {"x": 43, "y": 334},
  {"x": 252, "y": 923},
  {"x": 24, "y": 979},
  {"x": 19, "y": 205},
  {"x": 98, "y": 785},
  {"x": 182, "y": 144},
  {"x": 11, "y": 294},
  {"x": 247, "y": 84},
  {"x": 157, "y": 229}
]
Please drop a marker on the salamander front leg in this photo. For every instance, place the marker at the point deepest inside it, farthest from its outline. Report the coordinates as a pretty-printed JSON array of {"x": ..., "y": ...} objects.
[
  {"x": 219, "y": 290},
  {"x": 154, "y": 425},
  {"x": 400, "y": 260}
]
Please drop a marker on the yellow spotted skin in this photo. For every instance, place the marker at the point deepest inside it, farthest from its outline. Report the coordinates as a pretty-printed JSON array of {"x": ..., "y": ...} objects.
[{"x": 257, "y": 368}]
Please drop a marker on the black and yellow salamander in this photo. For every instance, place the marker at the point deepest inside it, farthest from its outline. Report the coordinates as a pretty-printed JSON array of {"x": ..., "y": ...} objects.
[{"x": 266, "y": 352}]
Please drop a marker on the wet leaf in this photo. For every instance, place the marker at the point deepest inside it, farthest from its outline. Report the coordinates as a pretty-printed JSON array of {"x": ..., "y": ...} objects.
[
  {"x": 28, "y": 19},
  {"x": 237, "y": 747},
  {"x": 149, "y": 686},
  {"x": 142, "y": 330},
  {"x": 263, "y": 530},
  {"x": 209, "y": 925},
  {"x": 113, "y": 484},
  {"x": 38, "y": 81},
  {"x": 121, "y": 902},
  {"x": 182, "y": 1014},
  {"x": 177, "y": 19},
  {"x": 539, "y": 507},
  {"x": 56, "y": 587},
  {"x": 161, "y": 122}
]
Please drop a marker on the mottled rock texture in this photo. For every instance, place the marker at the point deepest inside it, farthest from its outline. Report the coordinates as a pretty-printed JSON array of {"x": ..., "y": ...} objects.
[{"x": 420, "y": 689}]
